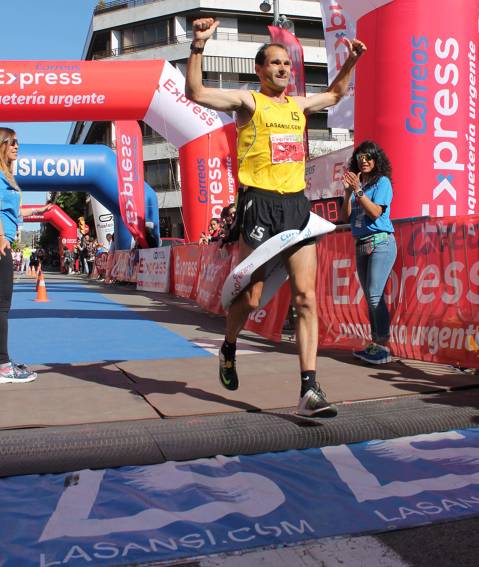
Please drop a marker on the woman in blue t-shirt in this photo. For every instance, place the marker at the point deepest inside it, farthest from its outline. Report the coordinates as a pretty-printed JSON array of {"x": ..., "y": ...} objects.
[
  {"x": 9, "y": 218},
  {"x": 367, "y": 204}
]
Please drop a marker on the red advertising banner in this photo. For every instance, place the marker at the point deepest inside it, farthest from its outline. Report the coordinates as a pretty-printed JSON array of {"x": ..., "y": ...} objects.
[
  {"x": 416, "y": 96},
  {"x": 432, "y": 294},
  {"x": 208, "y": 178},
  {"x": 32, "y": 91},
  {"x": 154, "y": 270},
  {"x": 215, "y": 266},
  {"x": 101, "y": 263},
  {"x": 124, "y": 266},
  {"x": 186, "y": 266},
  {"x": 131, "y": 191}
]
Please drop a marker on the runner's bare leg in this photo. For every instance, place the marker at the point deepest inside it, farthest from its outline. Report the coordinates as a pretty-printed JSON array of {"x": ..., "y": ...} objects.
[
  {"x": 246, "y": 302},
  {"x": 302, "y": 266}
]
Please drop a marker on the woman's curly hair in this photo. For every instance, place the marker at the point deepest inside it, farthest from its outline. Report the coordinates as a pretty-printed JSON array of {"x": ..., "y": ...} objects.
[{"x": 382, "y": 165}]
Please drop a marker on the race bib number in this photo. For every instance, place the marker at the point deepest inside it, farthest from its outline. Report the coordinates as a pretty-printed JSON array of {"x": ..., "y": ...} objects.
[{"x": 286, "y": 148}]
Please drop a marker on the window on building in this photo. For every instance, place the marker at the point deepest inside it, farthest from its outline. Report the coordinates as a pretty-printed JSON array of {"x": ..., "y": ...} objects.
[
  {"x": 316, "y": 75},
  {"x": 308, "y": 30},
  {"x": 150, "y": 135},
  {"x": 100, "y": 133},
  {"x": 161, "y": 174},
  {"x": 318, "y": 121},
  {"x": 145, "y": 34}
]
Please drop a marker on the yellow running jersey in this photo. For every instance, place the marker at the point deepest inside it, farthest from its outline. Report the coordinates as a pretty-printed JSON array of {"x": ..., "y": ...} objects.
[{"x": 270, "y": 146}]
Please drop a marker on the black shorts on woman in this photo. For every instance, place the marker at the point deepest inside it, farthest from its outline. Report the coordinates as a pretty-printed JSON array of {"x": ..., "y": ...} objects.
[{"x": 262, "y": 214}]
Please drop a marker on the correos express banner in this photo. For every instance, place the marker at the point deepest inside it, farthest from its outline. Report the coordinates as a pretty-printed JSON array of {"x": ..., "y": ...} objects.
[
  {"x": 129, "y": 164},
  {"x": 52, "y": 91},
  {"x": 154, "y": 270},
  {"x": 416, "y": 95},
  {"x": 46, "y": 91}
]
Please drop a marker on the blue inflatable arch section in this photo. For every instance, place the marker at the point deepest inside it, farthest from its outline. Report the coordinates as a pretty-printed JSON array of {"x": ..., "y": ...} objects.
[{"x": 87, "y": 168}]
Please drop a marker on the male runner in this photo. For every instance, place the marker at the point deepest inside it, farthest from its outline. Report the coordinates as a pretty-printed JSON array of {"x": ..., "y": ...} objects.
[{"x": 271, "y": 173}]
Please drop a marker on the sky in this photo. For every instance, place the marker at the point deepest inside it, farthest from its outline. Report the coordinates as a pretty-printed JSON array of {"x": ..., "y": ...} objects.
[{"x": 43, "y": 30}]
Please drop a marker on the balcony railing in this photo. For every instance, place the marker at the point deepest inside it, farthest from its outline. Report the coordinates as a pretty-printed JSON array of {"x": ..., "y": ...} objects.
[
  {"x": 104, "y": 6},
  {"x": 119, "y": 4},
  {"x": 186, "y": 38}
]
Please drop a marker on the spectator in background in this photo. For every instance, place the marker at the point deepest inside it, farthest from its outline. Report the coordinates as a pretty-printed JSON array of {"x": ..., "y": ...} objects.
[
  {"x": 228, "y": 215},
  {"x": 34, "y": 261},
  {"x": 214, "y": 230},
  {"x": 150, "y": 235},
  {"x": 26, "y": 253},
  {"x": 68, "y": 262},
  {"x": 367, "y": 205},
  {"x": 109, "y": 240},
  {"x": 82, "y": 253},
  {"x": 76, "y": 259},
  {"x": 17, "y": 260},
  {"x": 40, "y": 257},
  {"x": 10, "y": 198},
  {"x": 112, "y": 248},
  {"x": 90, "y": 246}
]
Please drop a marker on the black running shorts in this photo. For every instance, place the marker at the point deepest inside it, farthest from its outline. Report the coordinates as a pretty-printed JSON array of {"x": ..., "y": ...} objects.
[{"x": 264, "y": 214}]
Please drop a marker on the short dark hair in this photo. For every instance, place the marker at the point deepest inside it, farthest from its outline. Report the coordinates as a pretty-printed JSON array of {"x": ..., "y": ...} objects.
[{"x": 261, "y": 55}]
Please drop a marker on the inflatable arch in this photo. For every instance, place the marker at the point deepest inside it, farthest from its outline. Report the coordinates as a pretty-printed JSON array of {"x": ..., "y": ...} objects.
[
  {"x": 89, "y": 168},
  {"x": 66, "y": 226},
  {"x": 416, "y": 95},
  {"x": 152, "y": 91}
]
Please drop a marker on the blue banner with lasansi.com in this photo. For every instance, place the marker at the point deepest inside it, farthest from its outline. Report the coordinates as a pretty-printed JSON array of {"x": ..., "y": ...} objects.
[{"x": 184, "y": 509}]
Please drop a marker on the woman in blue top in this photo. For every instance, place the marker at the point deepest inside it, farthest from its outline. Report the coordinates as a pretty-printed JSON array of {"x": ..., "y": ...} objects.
[
  {"x": 367, "y": 204},
  {"x": 9, "y": 218}
]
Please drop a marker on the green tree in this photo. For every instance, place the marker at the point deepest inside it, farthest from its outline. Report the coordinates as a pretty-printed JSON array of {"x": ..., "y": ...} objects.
[{"x": 72, "y": 203}]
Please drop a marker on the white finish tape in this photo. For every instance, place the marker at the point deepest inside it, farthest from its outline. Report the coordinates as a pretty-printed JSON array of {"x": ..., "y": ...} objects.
[{"x": 269, "y": 255}]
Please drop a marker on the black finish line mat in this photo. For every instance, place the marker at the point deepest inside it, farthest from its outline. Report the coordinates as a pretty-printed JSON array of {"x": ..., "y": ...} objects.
[{"x": 151, "y": 441}]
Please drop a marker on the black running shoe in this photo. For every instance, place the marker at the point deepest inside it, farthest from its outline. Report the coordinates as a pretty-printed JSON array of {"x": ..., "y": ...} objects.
[
  {"x": 228, "y": 375},
  {"x": 314, "y": 404}
]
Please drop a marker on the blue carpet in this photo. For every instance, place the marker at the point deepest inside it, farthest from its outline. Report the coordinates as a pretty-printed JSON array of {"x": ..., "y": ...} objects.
[
  {"x": 177, "y": 510},
  {"x": 79, "y": 324}
]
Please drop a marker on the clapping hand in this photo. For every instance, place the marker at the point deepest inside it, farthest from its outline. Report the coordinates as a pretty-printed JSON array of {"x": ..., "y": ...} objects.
[{"x": 351, "y": 182}]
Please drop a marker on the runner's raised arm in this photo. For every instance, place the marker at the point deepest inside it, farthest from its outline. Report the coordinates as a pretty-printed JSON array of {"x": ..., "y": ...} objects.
[{"x": 217, "y": 99}]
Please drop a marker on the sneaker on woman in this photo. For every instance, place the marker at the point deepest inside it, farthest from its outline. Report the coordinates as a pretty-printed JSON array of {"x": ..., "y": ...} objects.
[
  {"x": 374, "y": 354},
  {"x": 11, "y": 373}
]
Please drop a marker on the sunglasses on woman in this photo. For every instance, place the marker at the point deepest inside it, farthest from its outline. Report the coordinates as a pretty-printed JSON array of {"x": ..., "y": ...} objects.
[
  {"x": 364, "y": 157},
  {"x": 11, "y": 141}
]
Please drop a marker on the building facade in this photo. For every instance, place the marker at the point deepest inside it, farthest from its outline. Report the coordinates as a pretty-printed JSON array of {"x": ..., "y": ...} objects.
[{"x": 161, "y": 29}]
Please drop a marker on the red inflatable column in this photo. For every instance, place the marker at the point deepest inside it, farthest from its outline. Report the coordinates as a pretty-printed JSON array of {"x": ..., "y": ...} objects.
[
  {"x": 208, "y": 178},
  {"x": 416, "y": 95}
]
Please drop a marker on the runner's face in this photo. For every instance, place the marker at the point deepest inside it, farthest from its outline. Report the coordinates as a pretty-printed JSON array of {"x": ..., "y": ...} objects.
[{"x": 276, "y": 69}]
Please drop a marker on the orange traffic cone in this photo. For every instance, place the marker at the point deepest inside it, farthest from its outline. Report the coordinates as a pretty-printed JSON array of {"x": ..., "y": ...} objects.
[
  {"x": 41, "y": 289},
  {"x": 38, "y": 281}
]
